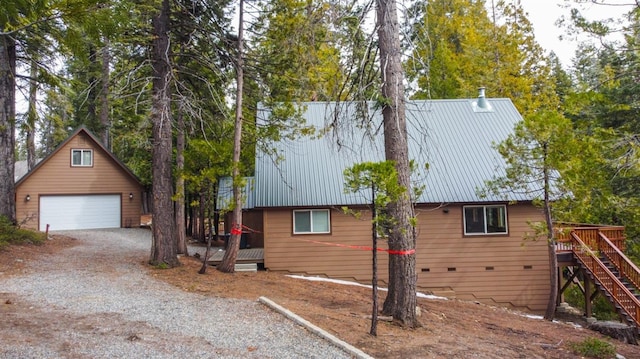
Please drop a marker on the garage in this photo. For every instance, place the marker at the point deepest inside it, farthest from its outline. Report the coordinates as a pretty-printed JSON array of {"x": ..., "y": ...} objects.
[
  {"x": 80, "y": 185},
  {"x": 80, "y": 212}
]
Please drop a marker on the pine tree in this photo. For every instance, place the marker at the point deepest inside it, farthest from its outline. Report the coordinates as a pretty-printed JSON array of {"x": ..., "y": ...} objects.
[
  {"x": 164, "y": 248},
  {"x": 541, "y": 147},
  {"x": 458, "y": 47},
  {"x": 401, "y": 297}
]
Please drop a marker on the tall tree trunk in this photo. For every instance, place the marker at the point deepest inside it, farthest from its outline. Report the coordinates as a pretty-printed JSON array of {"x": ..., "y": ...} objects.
[
  {"x": 374, "y": 263},
  {"x": 551, "y": 246},
  {"x": 7, "y": 127},
  {"x": 164, "y": 248},
  {"x": 32, "y": 116},
  {"x": 92, "y": 116},
  {"x": 231, "y": 254},
  {"x": 180, "y": 225},
  {"x": 214, "y": 216},
  {"x": 401, "y": 298},
  {"x": 105, "y": 123},
  {"x": 191, "y": 217},
  {"x": 202, "y": 219},
  {"x": 216, "y": 213}
]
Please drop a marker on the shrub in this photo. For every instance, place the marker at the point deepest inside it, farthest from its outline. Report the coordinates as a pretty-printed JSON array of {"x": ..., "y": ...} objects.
[
  {"x": 10, "y": 234},
  {"x": 594, "y": 348}
]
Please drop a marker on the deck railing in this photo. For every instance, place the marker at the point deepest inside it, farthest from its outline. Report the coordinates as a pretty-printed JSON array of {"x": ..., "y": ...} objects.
[{"x": 589, "y": 235}]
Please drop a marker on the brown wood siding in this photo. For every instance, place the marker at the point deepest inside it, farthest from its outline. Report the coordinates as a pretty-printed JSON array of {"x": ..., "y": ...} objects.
[
  {"x": 295, "y": 253},
  {"x": 57, "y": 177},
  {"x": 504, "y": 269}
]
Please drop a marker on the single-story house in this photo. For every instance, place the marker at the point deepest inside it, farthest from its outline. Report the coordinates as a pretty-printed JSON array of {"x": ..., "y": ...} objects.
[
  {"x": 80, "y": 185},
  {"x": 469, "y": 246}
]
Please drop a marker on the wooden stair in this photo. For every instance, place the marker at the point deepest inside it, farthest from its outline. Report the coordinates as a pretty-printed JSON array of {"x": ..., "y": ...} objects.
[{"x": 613, "y": 273}]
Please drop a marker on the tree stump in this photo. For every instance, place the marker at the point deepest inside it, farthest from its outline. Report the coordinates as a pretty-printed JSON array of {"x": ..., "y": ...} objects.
[{"x": 620, "y": 331}]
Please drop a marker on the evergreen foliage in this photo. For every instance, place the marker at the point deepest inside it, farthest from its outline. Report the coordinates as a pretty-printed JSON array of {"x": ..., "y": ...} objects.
[
  {"x": 602, "y": 104},
  {"x": 10, "y": 234},
  {"x": 457, "y": 47}
]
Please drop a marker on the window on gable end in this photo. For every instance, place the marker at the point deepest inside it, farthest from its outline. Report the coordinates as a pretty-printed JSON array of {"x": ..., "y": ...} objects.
[{"x": 81, "y": 158}]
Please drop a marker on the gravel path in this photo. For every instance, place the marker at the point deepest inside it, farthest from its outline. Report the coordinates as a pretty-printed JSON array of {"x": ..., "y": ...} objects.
[{"x": 94, "y": 301}]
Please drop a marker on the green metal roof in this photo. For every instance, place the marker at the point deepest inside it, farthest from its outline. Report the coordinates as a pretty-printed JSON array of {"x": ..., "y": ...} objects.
[
  {"x": 225, "y": 193},
  {"x": 455, "y": 137}
]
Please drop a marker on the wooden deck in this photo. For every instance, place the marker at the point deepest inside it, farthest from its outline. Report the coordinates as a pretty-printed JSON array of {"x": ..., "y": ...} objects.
[{"x": 251, "y": 255}]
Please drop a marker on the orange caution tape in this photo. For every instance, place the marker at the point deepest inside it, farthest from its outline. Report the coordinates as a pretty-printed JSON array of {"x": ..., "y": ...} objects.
[{"x": 237, "y": 229}]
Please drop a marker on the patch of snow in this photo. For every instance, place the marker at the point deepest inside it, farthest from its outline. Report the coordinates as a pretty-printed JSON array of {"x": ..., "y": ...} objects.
[
  {"x": 575, "y": 325},
  {"x": 539, "y": 317},
  {"x": 346, "y": 282}
]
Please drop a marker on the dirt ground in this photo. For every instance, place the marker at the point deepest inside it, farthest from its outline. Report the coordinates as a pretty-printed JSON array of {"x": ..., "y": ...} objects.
[{"x": 450, "y": 328}]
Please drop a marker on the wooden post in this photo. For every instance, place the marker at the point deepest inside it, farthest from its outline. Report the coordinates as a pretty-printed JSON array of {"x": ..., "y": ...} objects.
[
  {"x": 587, "y": 295},
  {"x": 560, "y": 297}
]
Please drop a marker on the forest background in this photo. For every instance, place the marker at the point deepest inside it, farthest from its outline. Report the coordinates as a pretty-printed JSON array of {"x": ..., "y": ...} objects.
[{"x": 91, "y": 63}]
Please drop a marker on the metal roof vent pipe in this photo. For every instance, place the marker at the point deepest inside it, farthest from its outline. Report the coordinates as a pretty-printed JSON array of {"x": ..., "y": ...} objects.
[{"x": 481, "y": 104}]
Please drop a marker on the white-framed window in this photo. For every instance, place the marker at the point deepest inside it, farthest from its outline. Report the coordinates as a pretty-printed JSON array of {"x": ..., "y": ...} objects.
[
  {"x": 485, "y": 219},
  {"x": 81, "y": 158},
  {"x": 309, "y": 221}
]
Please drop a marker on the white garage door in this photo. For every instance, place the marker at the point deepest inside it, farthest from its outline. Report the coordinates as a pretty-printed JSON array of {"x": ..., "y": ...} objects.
[{"x": 79, "y": 212}]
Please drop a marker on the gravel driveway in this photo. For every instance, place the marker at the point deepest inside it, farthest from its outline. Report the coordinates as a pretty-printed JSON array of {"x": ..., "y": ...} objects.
[{"x": 94, "y": 300}]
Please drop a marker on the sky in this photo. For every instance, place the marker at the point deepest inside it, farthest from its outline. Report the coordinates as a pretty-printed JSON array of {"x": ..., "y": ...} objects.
[{"x": 544, "y": 13}]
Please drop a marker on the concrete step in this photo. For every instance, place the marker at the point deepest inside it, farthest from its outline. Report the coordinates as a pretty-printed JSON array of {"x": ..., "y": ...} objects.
[{"x": 246, "y": 267}]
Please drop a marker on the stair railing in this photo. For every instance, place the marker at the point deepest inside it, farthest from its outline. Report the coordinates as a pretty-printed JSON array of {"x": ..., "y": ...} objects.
[
  {"x": 625, "y": 267},
  {"x": 610, "y": 283}
]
